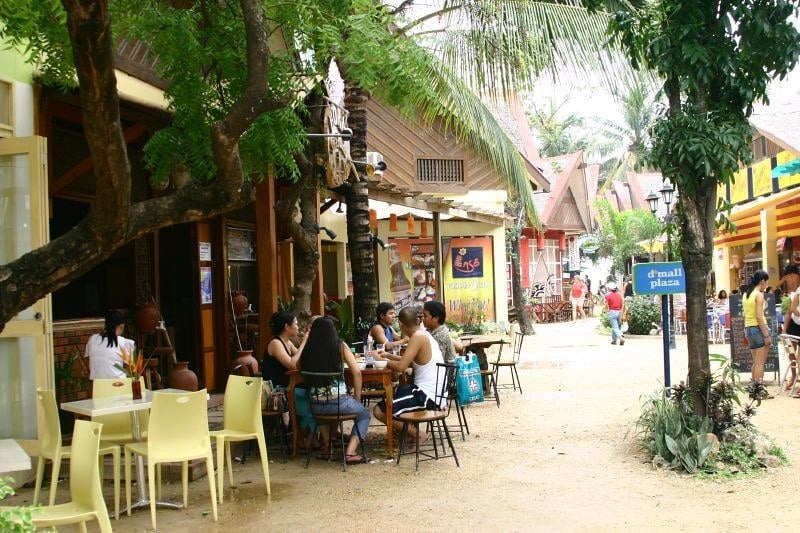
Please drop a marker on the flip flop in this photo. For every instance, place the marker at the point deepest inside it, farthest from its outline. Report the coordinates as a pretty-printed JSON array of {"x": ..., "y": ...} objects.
[{"x": 354, "y": 459}]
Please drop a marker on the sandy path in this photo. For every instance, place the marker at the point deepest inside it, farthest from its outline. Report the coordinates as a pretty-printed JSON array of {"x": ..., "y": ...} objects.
[{"x": 551, "y": 459}]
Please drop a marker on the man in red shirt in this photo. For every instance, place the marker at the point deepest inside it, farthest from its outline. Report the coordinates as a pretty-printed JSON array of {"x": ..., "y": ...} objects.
[{"x": 615, "y": 304}]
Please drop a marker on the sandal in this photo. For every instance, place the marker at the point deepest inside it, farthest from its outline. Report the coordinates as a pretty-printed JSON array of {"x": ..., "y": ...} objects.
[
  {"x": 789, "y": 383},
  {"x": 354, "y": 459}
]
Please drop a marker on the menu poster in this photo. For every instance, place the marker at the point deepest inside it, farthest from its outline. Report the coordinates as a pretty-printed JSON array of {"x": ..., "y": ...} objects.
[
  {"x": 468, "y": 273},
  {"x": 241, "y": 244},
  {"x": 741, "y": 356},
  {"x": 205, "y": 285},
  {"x": 417, "y": 274}
]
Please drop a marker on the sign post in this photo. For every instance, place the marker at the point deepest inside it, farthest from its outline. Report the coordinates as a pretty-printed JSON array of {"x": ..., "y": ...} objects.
[{"x": 663, "y": 279}]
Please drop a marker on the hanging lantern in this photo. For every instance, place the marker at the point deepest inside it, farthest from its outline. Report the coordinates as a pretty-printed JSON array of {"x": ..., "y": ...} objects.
[
  {"x": 373, "y": 219},
  {"x": 393, "y": 222},
  {"x": 562, "y": 242},
  {"x": 423, "y": 229},
  {"x": 540, "y": 241},
  {"x": 410, "y": 223}
]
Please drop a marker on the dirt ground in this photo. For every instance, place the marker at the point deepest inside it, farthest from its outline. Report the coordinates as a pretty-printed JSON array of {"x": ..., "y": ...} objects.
[{"x": 552, "y": 459}]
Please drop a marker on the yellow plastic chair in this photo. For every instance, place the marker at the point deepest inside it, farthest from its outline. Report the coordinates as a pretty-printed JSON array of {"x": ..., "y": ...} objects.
[
  {"x": 84, "y": 484},
  {"x": 178, "y": 432},
  {"x": 117, "y": 427},
  {"x": 241, "y": 421},
  {"x": 51, "y": 447}
]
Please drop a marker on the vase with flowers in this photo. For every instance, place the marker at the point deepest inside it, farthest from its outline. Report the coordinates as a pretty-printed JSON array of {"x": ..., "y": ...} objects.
[{"x": 133, "y": 364}]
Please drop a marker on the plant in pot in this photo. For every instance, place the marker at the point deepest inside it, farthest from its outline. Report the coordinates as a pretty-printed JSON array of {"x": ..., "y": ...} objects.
[{"x": 133, "y": 364}]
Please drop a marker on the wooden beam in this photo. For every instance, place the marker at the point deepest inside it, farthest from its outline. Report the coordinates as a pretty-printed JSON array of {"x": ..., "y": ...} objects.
[
  {"x": 437, "y": 255},
  {"x": 131, "y": 134},
  {"x": 437, "y": 206},
  {"x": 266, "y": 251},
  {"x": 317, "y": 300}
]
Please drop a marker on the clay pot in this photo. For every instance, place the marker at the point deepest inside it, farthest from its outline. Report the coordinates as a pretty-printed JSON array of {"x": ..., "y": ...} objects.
[
  {"x": 182, "y": 378},
  {"x": 147, "y": 317},
  {"x": 247, "y": 363},
  {"x": 240, "y": 303}
]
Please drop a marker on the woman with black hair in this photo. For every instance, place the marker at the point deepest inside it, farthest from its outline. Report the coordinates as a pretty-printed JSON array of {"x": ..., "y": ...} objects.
[
  {"x": 324, "y": 352},
  {"x": 281, "y": 354},
  {"x": 755, "y": 325},
  {"x": 103, "y": 349}
]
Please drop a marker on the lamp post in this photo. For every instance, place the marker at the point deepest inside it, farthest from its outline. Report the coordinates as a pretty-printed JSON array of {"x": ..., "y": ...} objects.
[{"x": 667, "y": 195}]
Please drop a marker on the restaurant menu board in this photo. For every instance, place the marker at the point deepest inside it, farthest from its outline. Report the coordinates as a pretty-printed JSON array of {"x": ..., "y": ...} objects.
[
  {"x": 412, "y": 264},
  {"x": 740, "y": 351}
]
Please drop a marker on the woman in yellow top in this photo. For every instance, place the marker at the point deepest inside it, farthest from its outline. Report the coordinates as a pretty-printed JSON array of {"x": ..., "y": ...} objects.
[{"x": 755, "y": 325}]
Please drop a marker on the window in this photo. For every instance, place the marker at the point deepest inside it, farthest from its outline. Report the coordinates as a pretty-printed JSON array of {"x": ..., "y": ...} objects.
[
  {"x": 6, "y": 109},
  {"x": 440, "y": 171}
]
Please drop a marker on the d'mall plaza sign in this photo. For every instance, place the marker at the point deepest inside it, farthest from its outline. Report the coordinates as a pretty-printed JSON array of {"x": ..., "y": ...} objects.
[{"x": 659, "y": 278}]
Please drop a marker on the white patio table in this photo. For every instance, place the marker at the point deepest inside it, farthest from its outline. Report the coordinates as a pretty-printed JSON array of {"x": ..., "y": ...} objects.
[
  {"x": 125, "y": 404},
  {"x": 12, "y": 457}
]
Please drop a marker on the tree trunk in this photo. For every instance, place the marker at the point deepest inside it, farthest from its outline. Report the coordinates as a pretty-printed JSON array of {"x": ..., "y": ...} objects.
[
  {"x": 518, "y": 295},
  {"x": 359, "y": 234},
  {"x": 697, "y": 214},
  {"x": 302, "y": 197}
]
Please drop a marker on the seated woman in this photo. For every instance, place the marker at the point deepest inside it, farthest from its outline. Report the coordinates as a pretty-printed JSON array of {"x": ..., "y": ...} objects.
[
  {"x": 103, "y": 349},
  {"x": 324, "y": 352},
  {"x": 283, "y": 355}
]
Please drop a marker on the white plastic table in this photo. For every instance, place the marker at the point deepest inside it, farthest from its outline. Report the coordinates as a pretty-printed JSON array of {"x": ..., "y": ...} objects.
[
  {"x": 12, "y": 457},
  {"x": 125, "y": 404}
]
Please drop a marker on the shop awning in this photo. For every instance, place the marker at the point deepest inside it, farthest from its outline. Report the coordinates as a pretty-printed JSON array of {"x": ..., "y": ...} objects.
[{"x": 755, "y": 206}]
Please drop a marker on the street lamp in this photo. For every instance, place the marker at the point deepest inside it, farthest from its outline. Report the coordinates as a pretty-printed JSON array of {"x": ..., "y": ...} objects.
[{"x": 667, "y": 195}]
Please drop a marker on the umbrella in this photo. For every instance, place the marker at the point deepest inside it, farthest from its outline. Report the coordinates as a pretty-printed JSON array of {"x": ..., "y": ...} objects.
[{"x": 787, "y": 169}]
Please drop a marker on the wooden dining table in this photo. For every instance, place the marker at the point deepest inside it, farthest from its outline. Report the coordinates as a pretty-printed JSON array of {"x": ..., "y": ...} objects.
[{"x": 368, "y": 375}]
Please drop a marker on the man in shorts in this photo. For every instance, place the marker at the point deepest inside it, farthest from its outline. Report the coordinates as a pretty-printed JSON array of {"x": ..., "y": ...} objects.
[{"x": 422, "y": 353}]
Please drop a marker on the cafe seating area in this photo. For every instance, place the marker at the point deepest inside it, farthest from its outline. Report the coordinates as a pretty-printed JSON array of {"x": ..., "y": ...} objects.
[{"x": 172, "y": 426}]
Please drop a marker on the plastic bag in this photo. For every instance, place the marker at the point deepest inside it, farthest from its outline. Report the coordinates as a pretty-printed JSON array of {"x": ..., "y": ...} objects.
[{"x": 469, "y": 384}]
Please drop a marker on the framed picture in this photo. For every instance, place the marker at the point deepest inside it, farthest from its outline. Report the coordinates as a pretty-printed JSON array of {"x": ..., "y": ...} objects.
[
  {"x": 241, "y": 244},
  {"x": 205, "y": 286}
]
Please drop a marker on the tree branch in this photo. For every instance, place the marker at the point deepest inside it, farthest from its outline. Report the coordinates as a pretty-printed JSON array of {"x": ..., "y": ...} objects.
[{"x": 90, "y": 33}]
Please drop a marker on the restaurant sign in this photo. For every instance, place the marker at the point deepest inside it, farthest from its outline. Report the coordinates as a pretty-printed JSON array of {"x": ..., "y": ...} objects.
[{"x": 468, "y": 262}]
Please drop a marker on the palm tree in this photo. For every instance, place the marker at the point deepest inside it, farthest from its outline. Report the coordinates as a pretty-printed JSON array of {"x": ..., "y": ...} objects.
[
  {"x": 443, "y": 59},
  {"x": 637, "y": 99}
]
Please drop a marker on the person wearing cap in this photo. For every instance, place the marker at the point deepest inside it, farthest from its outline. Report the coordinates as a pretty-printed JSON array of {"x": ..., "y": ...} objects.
[{"x": 615, "y": 304}]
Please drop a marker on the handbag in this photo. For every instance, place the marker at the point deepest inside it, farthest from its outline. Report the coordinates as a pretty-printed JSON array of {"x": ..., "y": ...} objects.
[
  {"x": 469, "y": 385},
  {"x": 273, "y": 400}
]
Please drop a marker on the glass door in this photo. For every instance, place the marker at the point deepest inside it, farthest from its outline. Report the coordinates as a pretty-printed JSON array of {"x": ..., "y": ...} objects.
[{"x": 26, "y": 345}]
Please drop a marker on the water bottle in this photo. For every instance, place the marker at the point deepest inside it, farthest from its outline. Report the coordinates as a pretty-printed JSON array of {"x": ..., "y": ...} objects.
[{"x": 369, "y": 357}]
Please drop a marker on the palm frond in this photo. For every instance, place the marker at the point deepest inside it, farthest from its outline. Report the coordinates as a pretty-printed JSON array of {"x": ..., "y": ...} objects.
[
  {"x": 500, "y": 45},
  {"x": 449, "y": 99}
]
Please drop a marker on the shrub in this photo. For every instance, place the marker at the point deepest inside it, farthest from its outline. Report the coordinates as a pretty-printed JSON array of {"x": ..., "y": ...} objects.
[
  {"x": 14, "y": 519},
  {"x": 676, "y": 437},
  {"x": 642, "y": 312}
]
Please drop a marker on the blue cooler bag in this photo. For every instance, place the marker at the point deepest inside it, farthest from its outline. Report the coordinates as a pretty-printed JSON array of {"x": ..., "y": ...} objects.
[{"x": 469, "y": 384}]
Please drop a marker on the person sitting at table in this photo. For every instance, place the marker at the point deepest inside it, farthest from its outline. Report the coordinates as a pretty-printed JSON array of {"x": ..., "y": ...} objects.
[
  {"x": 282, "y": 355},
  {"x": 433, "y": 317},
  {"x": 423, "y": 354},
  {"x": 103, "y": 349},
  {"x": 382, "y": 331},
  {"x": 324, "y": 352}
]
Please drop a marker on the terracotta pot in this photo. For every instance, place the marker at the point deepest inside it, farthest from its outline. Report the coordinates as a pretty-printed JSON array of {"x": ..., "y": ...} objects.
[
  {"x": 240, "y": 302},
  {"x": 147, "y": 317},
  {"x": 182, "y": 378},
  {"x": 248, "y": 363},
  {"x": 136, "y": 389}
]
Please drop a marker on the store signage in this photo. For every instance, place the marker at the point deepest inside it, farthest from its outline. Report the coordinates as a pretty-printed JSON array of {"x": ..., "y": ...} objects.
[
  {"x": 468, "y": 262},
  {"x": 659, "y": 278}
]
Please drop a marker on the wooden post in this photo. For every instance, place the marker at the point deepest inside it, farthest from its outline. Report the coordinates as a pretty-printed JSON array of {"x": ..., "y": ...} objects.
[
  {"x": 266, "y": 249},
  {"x": 437, "y": 255},
  {"x": 317, "y": 301}
]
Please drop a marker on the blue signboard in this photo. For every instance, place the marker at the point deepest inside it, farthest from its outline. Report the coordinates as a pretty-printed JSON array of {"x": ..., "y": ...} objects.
[
  {"x": 468, "y": 262},
  {"x": 659, "y": 278}
]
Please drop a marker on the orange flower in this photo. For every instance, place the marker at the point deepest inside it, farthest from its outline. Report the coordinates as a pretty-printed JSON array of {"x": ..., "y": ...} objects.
[{"x": 132, "y": 363}]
